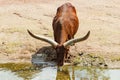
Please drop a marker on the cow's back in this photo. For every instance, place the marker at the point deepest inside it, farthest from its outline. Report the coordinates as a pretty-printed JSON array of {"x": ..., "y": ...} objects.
[{"x": 65, "y": 23}]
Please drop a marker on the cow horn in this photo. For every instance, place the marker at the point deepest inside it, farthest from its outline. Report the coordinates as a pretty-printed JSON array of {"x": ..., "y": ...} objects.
[
  {"x": 76, "y": 40},
  {"x": 43, "y": 38}
]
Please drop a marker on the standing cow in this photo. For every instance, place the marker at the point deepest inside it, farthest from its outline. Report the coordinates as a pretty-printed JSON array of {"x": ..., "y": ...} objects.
[{"x": 65, "y": 25}]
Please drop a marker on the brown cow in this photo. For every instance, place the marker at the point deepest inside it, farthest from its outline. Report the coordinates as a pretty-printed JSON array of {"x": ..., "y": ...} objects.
[{"x": 65, "y": 25}]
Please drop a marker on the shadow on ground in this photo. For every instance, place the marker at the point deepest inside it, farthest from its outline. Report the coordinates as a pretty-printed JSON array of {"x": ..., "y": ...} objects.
[{"x": 47, "y": 56}]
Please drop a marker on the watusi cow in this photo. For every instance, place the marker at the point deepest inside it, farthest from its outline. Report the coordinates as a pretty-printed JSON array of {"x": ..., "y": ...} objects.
[{"x": 65, "y": 25}]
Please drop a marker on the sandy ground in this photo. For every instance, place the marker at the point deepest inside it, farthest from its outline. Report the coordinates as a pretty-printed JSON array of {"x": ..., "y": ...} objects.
[{"x": 101, "y": 17}]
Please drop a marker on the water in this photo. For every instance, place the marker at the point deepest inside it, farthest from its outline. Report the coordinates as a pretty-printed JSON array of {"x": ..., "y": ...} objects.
[{"x": 26, "y": 71}]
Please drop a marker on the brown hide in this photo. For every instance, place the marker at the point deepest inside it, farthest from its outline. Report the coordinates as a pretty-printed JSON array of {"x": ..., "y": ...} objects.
[{"x": 65, "y": 25}]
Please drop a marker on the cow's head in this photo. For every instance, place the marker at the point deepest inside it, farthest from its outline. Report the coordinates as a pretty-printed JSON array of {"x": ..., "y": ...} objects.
[
  {"x": 61, "y": 49},
  {"x": 62, "y": 52}
]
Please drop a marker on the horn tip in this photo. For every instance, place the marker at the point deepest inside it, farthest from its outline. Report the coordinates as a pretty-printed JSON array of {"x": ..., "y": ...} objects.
[
  {"x": 28, "y": 30},
  {"x": 88, "y": 32}
]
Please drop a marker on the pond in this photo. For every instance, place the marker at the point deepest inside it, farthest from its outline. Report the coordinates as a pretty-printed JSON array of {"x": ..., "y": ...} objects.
[{"x": 27, "y": 71}]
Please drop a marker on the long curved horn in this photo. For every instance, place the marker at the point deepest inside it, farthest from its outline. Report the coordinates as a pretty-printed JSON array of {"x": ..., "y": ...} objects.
[
  {"x": 76, "y": 40},
  {"x": 43, "y": 38}
]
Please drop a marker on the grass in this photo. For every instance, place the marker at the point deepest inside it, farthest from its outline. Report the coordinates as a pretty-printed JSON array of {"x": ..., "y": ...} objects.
[
  {"x": 115, "y": 58},
  {"x": 10, "y": 47},
  {"x": 18, "y": 46},
  {"x": 16, "y": 40},
  {"x": 24, "y": 70}
]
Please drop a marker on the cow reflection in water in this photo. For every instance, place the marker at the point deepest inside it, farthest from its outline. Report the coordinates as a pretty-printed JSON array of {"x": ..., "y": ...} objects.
[
  {"x": 72, "y": 73},
  {"x": 64, "y": 74}
]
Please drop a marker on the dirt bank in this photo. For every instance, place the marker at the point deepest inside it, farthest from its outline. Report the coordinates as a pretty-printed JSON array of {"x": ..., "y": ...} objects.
[{"x": 101, "y": 17}]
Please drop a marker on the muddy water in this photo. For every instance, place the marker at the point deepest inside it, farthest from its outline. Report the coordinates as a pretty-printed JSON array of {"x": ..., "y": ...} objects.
[{"x": 27, "y": 71}]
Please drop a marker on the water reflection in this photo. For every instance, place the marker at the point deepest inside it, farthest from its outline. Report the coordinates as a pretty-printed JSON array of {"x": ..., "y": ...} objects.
[
  {"x": 114, "y": 74},
  {"x": 8, "y": 75},
  {"x": 26, "y": 71},
  {"x": 48, "y": 73},
  {"x": 77, "y": 73}
]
